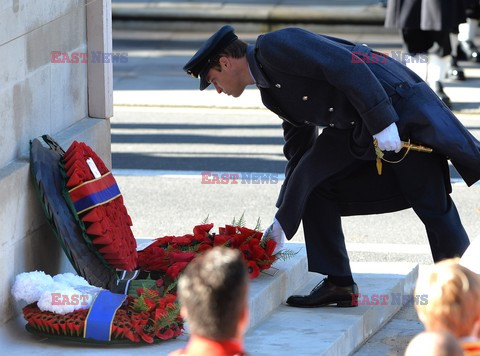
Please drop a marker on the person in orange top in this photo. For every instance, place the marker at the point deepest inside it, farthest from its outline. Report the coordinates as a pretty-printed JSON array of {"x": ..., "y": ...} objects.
[{"x": 213, "y": 292}]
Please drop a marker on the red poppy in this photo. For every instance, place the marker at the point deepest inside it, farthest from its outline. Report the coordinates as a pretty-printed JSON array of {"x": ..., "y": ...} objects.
[
  {"x": 249, "y": 232},
  {"x": 230, "y": 230},
  {"x": 270, "y": 247},
  {"x": 203, "y": 247},
  {"x": 160, "y": 314},
  {"x": 145, "y": 336},
  {"x": 220, "y": 240},
  {"x": 170, "y": 298},
  {"x": 150, "y": 303},
  {"x": 165, "y": 335},
  {"x": 183, "y": 240},
  {"x": 246, "y": 251},
  {"x": 253, "y": 269},
  {"x": 201, "y": 231},
  {"x": 175, "y": 269},
  {"x": 181, "y": 256}
]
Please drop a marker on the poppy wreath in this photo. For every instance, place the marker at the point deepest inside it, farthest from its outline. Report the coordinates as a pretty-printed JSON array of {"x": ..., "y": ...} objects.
[
  {"x": 45, "y": 158},
  {"x": 170, "y": 255},
  {"x": 95, "y": 199},
  {"x": 152, "y": 316}
]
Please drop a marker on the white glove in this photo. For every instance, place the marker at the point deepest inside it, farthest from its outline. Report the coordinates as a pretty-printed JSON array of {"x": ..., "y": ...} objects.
[
  {"x": 388, "y": 139},
  {"x": 276, "y": 233}
]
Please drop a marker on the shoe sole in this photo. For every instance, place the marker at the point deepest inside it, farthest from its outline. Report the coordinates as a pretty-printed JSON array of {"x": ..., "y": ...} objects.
[{"x": 342, "y": 304}]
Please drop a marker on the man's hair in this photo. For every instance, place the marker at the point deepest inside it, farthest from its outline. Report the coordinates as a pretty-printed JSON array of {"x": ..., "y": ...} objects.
[
  {"x": 453, "y": 298},
  {"x": 213, "y": 289},
  {"x": 434, "y": 344},
  {"x": 236, "y": 49}
]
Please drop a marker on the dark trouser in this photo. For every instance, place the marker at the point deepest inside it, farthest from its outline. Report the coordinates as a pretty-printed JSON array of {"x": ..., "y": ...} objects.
[{"x": 420, "y": 178}]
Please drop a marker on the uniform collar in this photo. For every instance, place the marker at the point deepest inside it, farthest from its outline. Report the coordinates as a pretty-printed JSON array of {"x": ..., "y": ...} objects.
[{"x": 255, "y": 69}]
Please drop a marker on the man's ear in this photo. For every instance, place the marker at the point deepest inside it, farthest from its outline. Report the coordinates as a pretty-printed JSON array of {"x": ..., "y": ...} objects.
[{"x": 224, "y": 62}]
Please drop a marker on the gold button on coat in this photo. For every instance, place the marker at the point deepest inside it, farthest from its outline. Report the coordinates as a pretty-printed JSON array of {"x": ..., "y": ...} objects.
[
  {"x": 330, "y": 109},
  {"x": 305, "y": 98},
  {"x": 278, "y": 85}
]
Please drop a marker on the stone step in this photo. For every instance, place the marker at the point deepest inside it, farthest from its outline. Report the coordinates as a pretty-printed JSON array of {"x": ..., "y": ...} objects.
[{"x": 335, "y": 331}]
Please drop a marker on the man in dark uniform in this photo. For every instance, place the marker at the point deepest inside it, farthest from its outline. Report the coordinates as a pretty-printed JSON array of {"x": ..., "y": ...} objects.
[{"x": 358, "y": 96}]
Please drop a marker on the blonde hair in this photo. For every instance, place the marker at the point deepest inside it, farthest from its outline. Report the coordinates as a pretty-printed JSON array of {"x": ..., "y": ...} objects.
[{"x": 453, "y": 294}]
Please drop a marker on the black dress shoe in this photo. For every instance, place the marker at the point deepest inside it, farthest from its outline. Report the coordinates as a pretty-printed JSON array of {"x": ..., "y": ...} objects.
[
  {"x": 441, "y": 94},
  {"x": 325, "y": 293},
  {"x": 467, "y": 50},
  {"x": 455, "y": 72}
]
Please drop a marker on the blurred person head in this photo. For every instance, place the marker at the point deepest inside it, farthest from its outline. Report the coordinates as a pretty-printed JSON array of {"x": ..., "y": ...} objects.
[
  {"x": 213, "y": 293},
  {"x": 453, "y": 298},
  {"x": 434, "y": 344}
]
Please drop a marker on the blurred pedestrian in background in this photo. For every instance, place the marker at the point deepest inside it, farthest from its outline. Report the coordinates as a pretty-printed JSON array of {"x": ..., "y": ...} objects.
[
  {"x": 467, "y": 50},
  {"x": 426, "y": 26}
]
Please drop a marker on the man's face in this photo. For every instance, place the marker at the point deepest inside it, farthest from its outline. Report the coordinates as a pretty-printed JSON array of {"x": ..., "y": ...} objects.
[{"x": 228, "y": 79}]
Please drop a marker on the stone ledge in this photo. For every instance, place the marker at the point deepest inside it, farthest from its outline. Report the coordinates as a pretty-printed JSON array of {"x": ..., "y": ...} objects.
[{"x": 334, "y": 331}]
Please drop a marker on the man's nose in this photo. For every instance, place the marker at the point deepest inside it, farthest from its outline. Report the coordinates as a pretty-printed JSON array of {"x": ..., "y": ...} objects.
[{"x": 219, "y": 90}]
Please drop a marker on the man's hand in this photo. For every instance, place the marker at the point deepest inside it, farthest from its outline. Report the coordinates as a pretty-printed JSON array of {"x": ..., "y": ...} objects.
[
  {"x": 388, "y": 139},
  {"x": 275, "y": 232}
]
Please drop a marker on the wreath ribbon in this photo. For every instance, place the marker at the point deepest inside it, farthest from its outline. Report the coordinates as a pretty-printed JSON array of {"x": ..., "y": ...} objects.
[{"x": 95, "y": 192}]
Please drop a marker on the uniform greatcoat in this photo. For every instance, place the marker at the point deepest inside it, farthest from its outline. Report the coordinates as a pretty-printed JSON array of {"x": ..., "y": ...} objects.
[{"x": 313, "y": 81}]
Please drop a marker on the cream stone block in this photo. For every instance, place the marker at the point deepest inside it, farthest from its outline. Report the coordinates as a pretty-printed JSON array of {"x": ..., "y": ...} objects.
[
  {"x": 69, "y": 101},
  {"x": 19, "y": 17},
  {"x": 61, "y": 35},
  {"x": 14, "y": 67},
  {"x": 25, "y": 114},
  {"x": 21, "y": 212}
]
